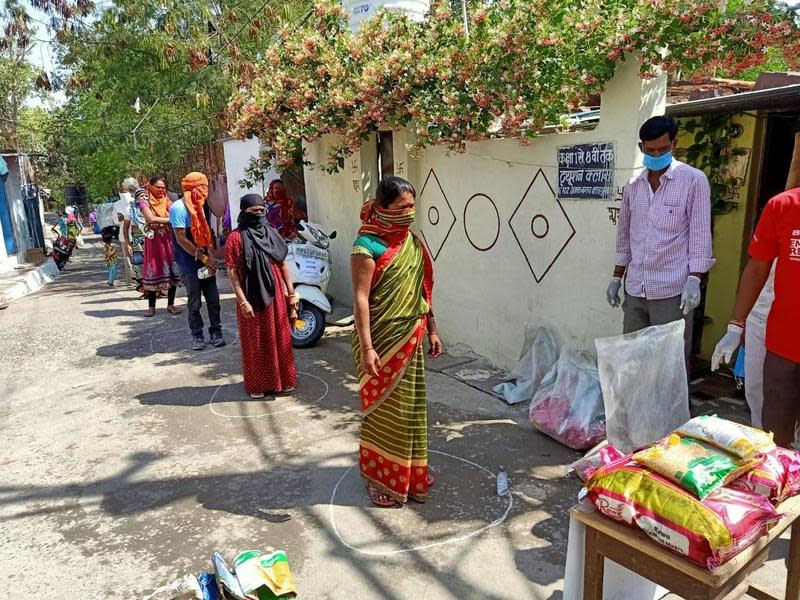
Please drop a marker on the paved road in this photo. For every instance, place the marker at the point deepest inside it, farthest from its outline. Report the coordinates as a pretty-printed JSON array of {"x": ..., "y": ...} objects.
[{"x": 127, "y": 460}]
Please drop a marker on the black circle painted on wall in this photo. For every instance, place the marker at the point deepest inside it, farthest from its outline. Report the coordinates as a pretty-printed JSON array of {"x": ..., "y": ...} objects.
[
  {"x": 433, "y": 215},
  {"x": 497, "y": 215},
  {"x": 542, "y": 220}
]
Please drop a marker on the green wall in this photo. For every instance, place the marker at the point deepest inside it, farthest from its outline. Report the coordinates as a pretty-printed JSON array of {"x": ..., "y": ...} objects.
[{"x": 728, "y": 246}]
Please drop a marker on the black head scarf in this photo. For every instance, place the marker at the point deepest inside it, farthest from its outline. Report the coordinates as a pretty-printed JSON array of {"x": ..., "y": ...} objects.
[{"x": 262, "y": 245}]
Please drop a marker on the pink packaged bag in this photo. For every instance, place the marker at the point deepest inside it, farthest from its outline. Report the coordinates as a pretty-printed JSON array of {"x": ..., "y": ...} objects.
[
  {"x": 777, "y": 477},
  {"x": 602, "y": 454}
]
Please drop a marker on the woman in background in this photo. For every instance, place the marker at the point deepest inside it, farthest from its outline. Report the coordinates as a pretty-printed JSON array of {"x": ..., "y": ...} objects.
[
  {"x": 254, "y": 254},
  {"x": 282, "y": 212},
  {"x": 159, "y": 273}
]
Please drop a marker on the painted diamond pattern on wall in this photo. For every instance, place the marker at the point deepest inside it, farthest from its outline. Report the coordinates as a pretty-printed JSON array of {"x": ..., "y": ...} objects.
[
  {"x": 541, "y": 227},
  {"x": 435, "y": 214}
]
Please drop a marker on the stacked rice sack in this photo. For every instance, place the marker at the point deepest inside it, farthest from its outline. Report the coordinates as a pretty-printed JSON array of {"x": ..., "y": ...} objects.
[{"x": 705, "y": 492}]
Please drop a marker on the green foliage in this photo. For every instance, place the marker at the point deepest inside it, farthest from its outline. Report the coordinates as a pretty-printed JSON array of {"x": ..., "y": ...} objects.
[
  {"x": 180, "y": 58},
  {"x": 712, "y": 151},
  {"x": 36, "y": 126},
  {"x": 16, "y": 74},
  {"x": 523, "y": 66}
]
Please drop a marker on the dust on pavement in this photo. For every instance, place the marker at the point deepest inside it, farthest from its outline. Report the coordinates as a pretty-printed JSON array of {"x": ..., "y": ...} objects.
[{"x": 119, "y": 473}]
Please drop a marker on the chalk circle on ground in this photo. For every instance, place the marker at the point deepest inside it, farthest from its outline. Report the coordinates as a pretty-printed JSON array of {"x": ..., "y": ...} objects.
[
  {"x": 445, "y": 498},
  {"x": 270, "y": 405}
]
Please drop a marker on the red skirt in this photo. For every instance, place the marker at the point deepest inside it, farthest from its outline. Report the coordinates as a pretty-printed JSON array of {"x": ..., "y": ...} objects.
[{"x": 266, "y": 340}]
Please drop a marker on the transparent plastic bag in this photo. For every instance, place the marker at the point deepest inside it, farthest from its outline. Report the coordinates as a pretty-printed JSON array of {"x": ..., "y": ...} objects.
[
  {"x": 645, "y": 388},
  {"x": 568, "y": 406},
  {"x": 602, "y": 454},
  {"x": 539, "y": 354}
]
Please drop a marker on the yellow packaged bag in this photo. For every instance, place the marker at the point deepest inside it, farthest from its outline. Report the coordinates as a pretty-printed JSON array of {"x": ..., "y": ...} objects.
[
  {"x": 695, "y": 466},
  {"x": 741, "y": 440},
  {"x": 707, "y": 532}
]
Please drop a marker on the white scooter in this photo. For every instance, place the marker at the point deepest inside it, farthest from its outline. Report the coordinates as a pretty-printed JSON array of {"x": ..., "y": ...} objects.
[{"x": 310, "y": 267}]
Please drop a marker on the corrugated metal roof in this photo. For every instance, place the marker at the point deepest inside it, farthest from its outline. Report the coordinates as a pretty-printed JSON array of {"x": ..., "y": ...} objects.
[{"x": 781, "y": 98}]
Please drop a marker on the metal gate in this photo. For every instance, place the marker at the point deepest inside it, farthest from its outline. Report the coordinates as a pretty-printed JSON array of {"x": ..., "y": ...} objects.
[{"x": 30, "y": 200}]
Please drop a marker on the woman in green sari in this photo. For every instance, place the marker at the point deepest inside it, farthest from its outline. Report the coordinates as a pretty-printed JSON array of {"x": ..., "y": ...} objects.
[{"x": 393, "y": 284}]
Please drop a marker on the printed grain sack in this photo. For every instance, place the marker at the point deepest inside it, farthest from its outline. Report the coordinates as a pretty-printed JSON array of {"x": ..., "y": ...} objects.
[
  {"x": 695, "y": 466},
  {"x": 741, "y": 440},
  {"x": 707, "y": 532},
  {"x": 777, "y": 477}
]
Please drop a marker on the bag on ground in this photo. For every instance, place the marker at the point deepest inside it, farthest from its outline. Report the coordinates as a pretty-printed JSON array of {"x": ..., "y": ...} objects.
[
  {"x": 568, "y": 406},
  {"x": 645, "y": 388},
  {"x": 707, "y": 532},
  {"x": 540, "y": 353}
]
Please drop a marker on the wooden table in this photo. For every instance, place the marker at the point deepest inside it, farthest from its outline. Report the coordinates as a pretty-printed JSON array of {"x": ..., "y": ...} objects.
[{"x": 634, "y": 550}]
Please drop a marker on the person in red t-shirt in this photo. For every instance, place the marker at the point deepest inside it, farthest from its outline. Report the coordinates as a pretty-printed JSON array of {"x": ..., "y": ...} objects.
[{"x": 777, "y": 239}]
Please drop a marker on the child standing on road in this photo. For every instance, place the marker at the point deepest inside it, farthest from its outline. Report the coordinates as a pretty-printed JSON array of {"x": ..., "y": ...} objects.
[{"x": 110, "y": 256}]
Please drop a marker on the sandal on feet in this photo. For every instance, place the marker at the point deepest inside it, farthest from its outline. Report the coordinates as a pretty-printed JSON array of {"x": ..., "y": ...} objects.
[
  {"x": 150, "y": 312},
  {"x": 382, "y": 499},
  {"x": 256, "y": 396},
  {"x": 174, "y": 311}
]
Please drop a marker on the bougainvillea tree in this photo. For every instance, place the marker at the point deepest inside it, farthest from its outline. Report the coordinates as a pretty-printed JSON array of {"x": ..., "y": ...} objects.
[{"x": 524, "y": 65}]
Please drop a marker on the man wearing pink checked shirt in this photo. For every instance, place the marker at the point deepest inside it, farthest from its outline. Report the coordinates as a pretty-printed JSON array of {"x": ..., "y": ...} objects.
[{"x": 663, "y": 236}]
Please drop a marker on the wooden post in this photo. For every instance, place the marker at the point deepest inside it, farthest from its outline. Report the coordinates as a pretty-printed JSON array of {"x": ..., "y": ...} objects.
[
  {"x": 593, "y": 565},
  {"x": 793, "y": 574}
]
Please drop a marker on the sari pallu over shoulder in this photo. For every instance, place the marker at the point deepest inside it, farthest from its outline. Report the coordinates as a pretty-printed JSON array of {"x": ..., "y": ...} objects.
[{"x": 399, "y": 305}]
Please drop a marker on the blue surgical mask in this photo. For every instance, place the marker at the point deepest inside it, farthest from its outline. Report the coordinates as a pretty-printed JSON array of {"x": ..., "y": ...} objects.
[{"x": 657, "y": 163}]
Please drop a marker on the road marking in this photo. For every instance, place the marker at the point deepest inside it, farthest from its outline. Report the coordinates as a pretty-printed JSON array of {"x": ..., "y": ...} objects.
[
  {"x": 267, "y": 413},
  {"x": 457, "y": 538}
]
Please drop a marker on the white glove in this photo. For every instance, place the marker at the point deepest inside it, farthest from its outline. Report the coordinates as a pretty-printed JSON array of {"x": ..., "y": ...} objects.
[
  {"x": 729, "y": 343},
  {"x": 612, "y": 293},
  {"x": 690, "y": 297}
]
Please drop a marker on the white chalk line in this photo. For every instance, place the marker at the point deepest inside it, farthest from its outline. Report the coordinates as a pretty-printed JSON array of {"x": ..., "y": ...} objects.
[
  {"x": 270, "y": 412},
  {"x": 455, "y": 539}
]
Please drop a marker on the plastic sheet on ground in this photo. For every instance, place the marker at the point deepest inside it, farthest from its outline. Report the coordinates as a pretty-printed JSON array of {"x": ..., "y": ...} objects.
[
  {"x": 645, "y": 388},
  {"x": 539, "y": 354}
]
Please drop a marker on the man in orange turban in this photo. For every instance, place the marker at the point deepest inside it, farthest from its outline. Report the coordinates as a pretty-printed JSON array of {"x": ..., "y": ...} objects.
[{"x": 193, "y": 244}]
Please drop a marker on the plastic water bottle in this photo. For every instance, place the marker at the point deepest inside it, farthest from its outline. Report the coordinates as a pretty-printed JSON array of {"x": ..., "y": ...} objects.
[{"x": 502, "y": 481}]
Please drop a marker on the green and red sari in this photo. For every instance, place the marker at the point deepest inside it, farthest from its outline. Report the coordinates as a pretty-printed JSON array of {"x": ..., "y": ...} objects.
[{"x": 394, "y": 431}]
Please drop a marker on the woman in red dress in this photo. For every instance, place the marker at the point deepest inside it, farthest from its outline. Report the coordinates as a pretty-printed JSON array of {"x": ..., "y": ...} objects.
[
  {"x": 282, "y": 212},
  {"x": 255, "y": 253}
]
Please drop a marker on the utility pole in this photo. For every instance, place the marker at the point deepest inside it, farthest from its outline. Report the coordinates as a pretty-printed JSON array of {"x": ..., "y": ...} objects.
[{"x": 464, "y": 16}]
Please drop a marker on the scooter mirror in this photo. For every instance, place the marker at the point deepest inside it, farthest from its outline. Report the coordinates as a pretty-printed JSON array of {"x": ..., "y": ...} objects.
[{"x": 332, "y": 235}]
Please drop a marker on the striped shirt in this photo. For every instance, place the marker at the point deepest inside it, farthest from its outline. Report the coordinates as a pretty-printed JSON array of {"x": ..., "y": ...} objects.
[{"x": 664, "y": 236}]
